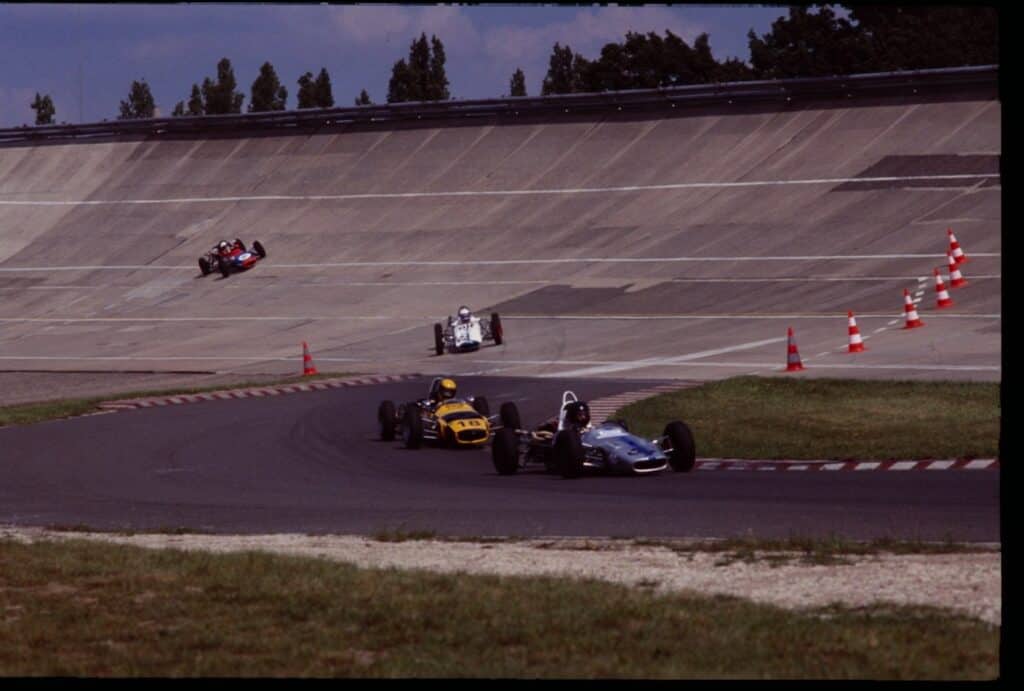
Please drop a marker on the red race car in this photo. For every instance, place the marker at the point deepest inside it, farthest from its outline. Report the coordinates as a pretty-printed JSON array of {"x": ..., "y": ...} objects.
[{"x": 231, "y": 256}]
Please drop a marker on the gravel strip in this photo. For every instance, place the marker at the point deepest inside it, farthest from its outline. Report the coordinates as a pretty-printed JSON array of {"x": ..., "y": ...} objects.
[{"x": 967, "y": 583}]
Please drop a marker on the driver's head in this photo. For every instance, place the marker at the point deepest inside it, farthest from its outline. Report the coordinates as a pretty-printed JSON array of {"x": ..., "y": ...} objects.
[
  {"x": 464, "y": 313},
  {"x": 446, "y": 389},
  {"x": 578, "y": 413},
  {"x": 223, "y": 246}
]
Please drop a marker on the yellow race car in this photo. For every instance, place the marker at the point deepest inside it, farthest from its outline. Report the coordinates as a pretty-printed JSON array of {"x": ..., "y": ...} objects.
[{"x": 442, "y": 418}]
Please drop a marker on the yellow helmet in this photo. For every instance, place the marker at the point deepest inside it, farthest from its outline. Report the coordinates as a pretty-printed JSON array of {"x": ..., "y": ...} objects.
[{"x": 446, "y": 389}]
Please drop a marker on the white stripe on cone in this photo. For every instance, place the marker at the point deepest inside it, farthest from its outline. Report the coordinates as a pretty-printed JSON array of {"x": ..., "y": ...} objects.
[
  {"x": 942, "y": 298},
  {"x": 956, "y": 279},
  {"x": 856, "y": 342},
  {"x": 954, "y": 247},
  {"x": 913, "y": 321}
]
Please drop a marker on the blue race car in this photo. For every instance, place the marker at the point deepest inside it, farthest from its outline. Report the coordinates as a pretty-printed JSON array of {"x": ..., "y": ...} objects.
[{"x": 568, "y": 444}]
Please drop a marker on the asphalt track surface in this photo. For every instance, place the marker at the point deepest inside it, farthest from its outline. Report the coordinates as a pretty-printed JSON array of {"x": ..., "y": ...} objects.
[{"x": 312, "y": 463}]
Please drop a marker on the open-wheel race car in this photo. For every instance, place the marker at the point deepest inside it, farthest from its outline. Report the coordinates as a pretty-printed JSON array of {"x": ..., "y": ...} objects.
[
  {"x": 465, "y": 332},
  {"x": 570, "y": 445},
  {"x": 444, "y": 419},
  {"x": 228, "y": 257}
]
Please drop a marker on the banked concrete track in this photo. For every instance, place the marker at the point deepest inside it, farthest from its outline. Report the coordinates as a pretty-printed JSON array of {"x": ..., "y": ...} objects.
[{"x": 641, "y": 247}]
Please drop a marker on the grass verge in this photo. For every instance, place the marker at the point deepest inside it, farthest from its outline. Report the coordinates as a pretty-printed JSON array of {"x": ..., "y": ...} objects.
[
  {"x": 829, "y": 419},
  {"x": 28, "y": 413},
  {"x": 74, "y": 608}
]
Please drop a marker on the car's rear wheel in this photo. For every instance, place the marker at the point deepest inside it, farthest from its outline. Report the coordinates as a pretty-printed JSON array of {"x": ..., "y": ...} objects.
[
  {"x": 683, "y": 456},
  {"x": 569, "y": 453},
  {"x": 481, "y": 406},
  {"x": 509, "y": 414},
  {"x": 257, "y": 247},
  {"x": 386, "y": 418},
  {"x": 438, "y": 339},
  {"x": 204, "y": 265},
  {"x": 225, "y": 268},
  {"x": 496, "y": 329},
  {"x": 505, "y": 451},
  {"x": 412, "y": 428}
]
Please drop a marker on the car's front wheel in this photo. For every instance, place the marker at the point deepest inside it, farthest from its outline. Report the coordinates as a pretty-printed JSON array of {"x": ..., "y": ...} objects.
[
  {"x": 683, "y": 456},
  {"x": 481, "y": 406},
  {"x": 496, "y": 329},
  {"x": 204, "y": 265},
  {"x": 412, "y": 428},
  {"x": 509, "y": 414},
  {"x": 505, "y": 451},
  {"x": 569, "y": 453},
  {"x": 225, "y": 268},
  {"x": 259, "y": 249},
  {"x": 438, "y": 339}
]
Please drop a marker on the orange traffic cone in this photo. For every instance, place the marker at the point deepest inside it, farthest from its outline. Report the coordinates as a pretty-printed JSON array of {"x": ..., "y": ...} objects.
[
  {"x": 913, "y": 321},
  {"x": 307, "y": 361},
  {"x": 856, "y": 342},
  {"x": 793, "y": 363},
  {"x": 942, "y": 298},
  {"x": 954, "y": 248},
  {"x": 956, "y": 279}
]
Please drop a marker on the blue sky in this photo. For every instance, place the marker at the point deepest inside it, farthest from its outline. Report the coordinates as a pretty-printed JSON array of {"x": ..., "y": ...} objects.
[{"x": 86, "y": 56}]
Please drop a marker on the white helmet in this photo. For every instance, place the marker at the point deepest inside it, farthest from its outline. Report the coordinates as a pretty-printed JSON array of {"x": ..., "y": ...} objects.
[{"x": 464, "y": 313}]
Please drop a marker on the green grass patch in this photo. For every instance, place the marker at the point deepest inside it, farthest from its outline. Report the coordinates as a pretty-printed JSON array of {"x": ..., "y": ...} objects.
[
  {"x": 28, "y": 413},
  {"x": 75, "y": 608},
  {"x": 829, "y": 419}
]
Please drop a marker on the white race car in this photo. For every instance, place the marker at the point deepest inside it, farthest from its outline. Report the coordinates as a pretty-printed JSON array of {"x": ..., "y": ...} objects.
[{"x": 466, "y": 332}]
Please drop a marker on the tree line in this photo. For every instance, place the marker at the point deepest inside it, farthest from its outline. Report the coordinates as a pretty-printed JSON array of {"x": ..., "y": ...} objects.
[{"x": 810, "y": 41}]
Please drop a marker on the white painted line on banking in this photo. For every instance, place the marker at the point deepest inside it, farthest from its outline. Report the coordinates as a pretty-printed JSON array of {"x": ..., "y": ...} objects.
[
  {"x": 503, "y": 262},
  {"x": 654, "y": 362},
  {"x": 498, "y": 193}
]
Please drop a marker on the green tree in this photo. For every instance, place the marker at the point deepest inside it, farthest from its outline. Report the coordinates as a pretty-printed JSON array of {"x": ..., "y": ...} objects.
[
  {"x": 322, "y": 89},
  {"x": 140, "y": 102},
  {"x": 809, "y": 44},
  {"x": 179, "y": 109},
  {"x": 438, "y": 81},
  {"x": 560, "y": 76},
  {"x": 307, "y": 91},
  {"x": 400, "y": 87},
  {"x": 195, "y": 102},
  {"x": 922, "y": 36},
  {"x": 364, "y": 99},
  {"x": 43, "y": 105},
  {"x": 422, "y": 77},
  {"x": 267, "y": 92},
  {"x": 220, "y": 97},
  {"x": 517, "y": 85}
]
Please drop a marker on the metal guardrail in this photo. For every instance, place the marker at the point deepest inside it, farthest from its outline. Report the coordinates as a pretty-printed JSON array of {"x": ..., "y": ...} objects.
[{"x": 909, "y": 83}]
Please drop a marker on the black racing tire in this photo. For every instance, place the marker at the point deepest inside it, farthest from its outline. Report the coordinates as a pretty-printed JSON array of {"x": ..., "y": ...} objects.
[
  {"x": 569, "y": 453},
  {"x": 505, "y": 451},
  {"x": 238, "y": 241},
  {"x": 683, "y": 456},
  {"x": 225, "y": 268},
  {"x": 496, "y": 329},
  {"x": 438, "y": 339},
  {"x": 204, "y": 266},
  {"x": 258, "y": 248},
  {"x": 386, "y": 418},
  {"x": 412, "y": 428},
  {"x": 509, "y": 414},
  {"x": 481, "y": 406}
]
